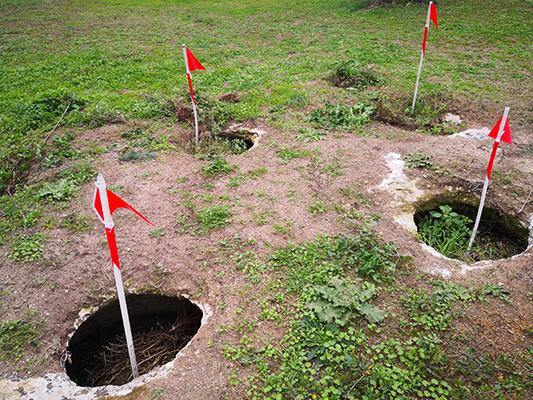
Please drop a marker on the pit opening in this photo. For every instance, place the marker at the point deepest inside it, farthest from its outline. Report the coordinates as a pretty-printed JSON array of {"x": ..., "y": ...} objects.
[
  {"x": 240, "y": 139},
  {"x": 499, "y": 235},
  {"x": 161, "y": 326}
]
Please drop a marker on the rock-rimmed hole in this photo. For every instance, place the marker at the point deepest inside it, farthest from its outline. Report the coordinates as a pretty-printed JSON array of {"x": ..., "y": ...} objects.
[
  {"x": 499, "y": 235},
  {"x": 161, "y": 327}
]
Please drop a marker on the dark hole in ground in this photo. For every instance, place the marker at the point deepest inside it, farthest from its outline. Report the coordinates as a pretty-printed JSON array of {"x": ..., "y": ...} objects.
[
  {"x": 499, "y": 236},
  {"x": 161, "y": 327},
  {"x": 240, "y": 140}
]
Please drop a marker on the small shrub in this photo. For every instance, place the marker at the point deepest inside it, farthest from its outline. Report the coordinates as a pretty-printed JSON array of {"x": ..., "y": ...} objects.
[
  {"x": 446, "y": 231},
  {"x": 213, "y": 217},
  {"x": 350, "y": 74},
  {"x": 27, "y": 248},
  {"x": 341, "y": 116},
  {"x": 218, "y": 166},
  {"x": 133, "y": 155},
  {"x": 15, "y": 335}
]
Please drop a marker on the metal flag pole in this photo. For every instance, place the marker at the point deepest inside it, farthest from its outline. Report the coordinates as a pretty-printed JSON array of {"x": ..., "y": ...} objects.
[
  {"x": 487, "y": 177},
  {"x": 421, "y": 57},
  {"x": 192, "y": 95},
  {"x": 111, "y": 240}
]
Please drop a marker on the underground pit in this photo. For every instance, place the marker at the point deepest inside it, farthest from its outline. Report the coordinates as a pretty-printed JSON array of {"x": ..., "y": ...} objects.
[
  {"x": 240, "y": 139},
  {"x": 501, "y": 234},
  {"x": 161, "y": 327}
]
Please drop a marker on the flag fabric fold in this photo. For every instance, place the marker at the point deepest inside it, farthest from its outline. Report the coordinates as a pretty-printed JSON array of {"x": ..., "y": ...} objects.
[
  {"x": 114, "y": 203},
  {"x": 506, "y": 135},
  {"x": 192, "y": 62},
  {"x": 432, "y": 16}
]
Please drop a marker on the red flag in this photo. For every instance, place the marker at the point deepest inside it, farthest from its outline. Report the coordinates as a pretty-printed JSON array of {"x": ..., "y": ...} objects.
[
  {"x": 506, "y": 135},
  {"x": 114, "y": 203},
  {"x": 192, "y": 61},
  {"x": 433, "y": 15},
  {"x": 112, "y": 242},
  {"x": 425, "y": 40}
]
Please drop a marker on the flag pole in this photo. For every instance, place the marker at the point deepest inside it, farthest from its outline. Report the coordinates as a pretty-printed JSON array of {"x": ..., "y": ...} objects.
[
  {"x": 487, "y": 177},
  {"x": 426, "y": 29},
  {"x": 192, "y": 95},
  {"x": 111, "y": 240}
]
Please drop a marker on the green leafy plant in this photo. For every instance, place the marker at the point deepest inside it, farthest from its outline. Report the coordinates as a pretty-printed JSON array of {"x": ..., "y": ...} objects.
[
  {"x": 213, "y": 217},
  {"x": 27, "y": 248},
  {"x": 287, "y": 154},
  {"x": 217, "y": 166},
  {"x": 128, "y": 154},
  {"x": 342, "y": 298},
  {"x": 340, "y": 116},
  {"x": 16, "y": 335},
  {"x": 446, "y": 231},
  {"x": 350, "y": 74},
  {"x": 418, "y": 159}
]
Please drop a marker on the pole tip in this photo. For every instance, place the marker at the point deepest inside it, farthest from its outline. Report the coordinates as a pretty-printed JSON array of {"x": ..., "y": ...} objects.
[
  {"x": 100, "y": 180},
  {"x": 183, "y": 45}
]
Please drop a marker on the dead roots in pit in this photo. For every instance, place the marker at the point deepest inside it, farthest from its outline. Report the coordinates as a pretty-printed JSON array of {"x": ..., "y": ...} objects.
[{"x": 111, "y": 366}]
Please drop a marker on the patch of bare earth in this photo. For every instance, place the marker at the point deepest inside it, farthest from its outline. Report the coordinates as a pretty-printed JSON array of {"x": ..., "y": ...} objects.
[{"x": 270, "y": 206}]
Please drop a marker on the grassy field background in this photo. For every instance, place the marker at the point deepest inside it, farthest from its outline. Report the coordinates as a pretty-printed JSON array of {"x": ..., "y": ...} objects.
[{"x": 121, "y": 62}]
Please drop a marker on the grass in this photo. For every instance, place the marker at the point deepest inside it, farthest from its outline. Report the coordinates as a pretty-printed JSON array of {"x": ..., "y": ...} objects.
[{"x": 123, "y": 64}]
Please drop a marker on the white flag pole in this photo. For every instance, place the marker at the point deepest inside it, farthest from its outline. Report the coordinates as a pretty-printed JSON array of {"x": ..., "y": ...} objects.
[
  {"x": 192, "y": 95},
  {"x": 486, "y": 185},
  {"x": 426, "y": 29},
  {"x": 108, "y": 222}
]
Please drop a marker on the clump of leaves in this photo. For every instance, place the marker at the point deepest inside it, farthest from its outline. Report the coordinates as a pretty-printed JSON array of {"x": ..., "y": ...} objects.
[
  {"x": 446, "y": 231},
  {"x": 69, "y": 183},
  {"x": 217, "y": 166},
  {"x": 340, "y": 116},
  {"x": 351, "y": 74},
  {"x": 418, "y": 159},
  {"x": 27, "y": 248},
  {"x": 127, "y": 154},
  {"x": 15, "y": 335},
  {"x": 342, "y": 298},
  {"x": 213, "y": 217},
  {"x": 287, "y": 154}
]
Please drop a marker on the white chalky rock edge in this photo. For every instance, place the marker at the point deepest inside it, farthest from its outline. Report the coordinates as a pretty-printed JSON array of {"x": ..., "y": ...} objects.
[
  {"x": 59, "y": 386},
  {"x": 405, "y": 192}
]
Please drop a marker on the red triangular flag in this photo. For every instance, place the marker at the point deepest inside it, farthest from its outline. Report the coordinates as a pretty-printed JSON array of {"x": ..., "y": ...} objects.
[
  {"x": 114, "y": 203},
  {"x": 433, "y": 15},
  {"x": 192, "y": 61},
  {"x": 506, "y": 135},
  {"x": 112, "y": 242}
]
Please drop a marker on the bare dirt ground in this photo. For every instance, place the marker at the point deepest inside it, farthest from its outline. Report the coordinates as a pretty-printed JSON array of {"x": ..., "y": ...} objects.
[{"x": 272, "y": 208}]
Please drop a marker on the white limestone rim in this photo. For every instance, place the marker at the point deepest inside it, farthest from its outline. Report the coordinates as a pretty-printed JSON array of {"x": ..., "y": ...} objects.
[{"x": 60, "y": 386}]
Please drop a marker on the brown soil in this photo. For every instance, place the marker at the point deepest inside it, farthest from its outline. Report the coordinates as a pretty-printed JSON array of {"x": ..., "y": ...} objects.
[{"x": 76, "y": 271}]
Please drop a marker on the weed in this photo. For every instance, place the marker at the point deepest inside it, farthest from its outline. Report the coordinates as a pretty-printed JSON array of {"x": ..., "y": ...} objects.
[
  {"x": 27, "y": 248},
  {"x": 218, "y": 166},
  {"x": 257, "y": 173},
  {"x": 213, "y": 217},
  {"x": 340, "y": 116},
  {"x": 311, "y": 135},
  {"x": 288, "y": 154},
  {"x": 418, "y": 159},
  {"x": 157, "y": 233},
  {"x": 132, "y": 155},
  {"x": 77, "y": 223},
  {"x": 16, "y": 335},
  {"x": 446, "y": 231},
  {"x": 350, "y": 74},
  {"x": 341, "y": 298}
]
